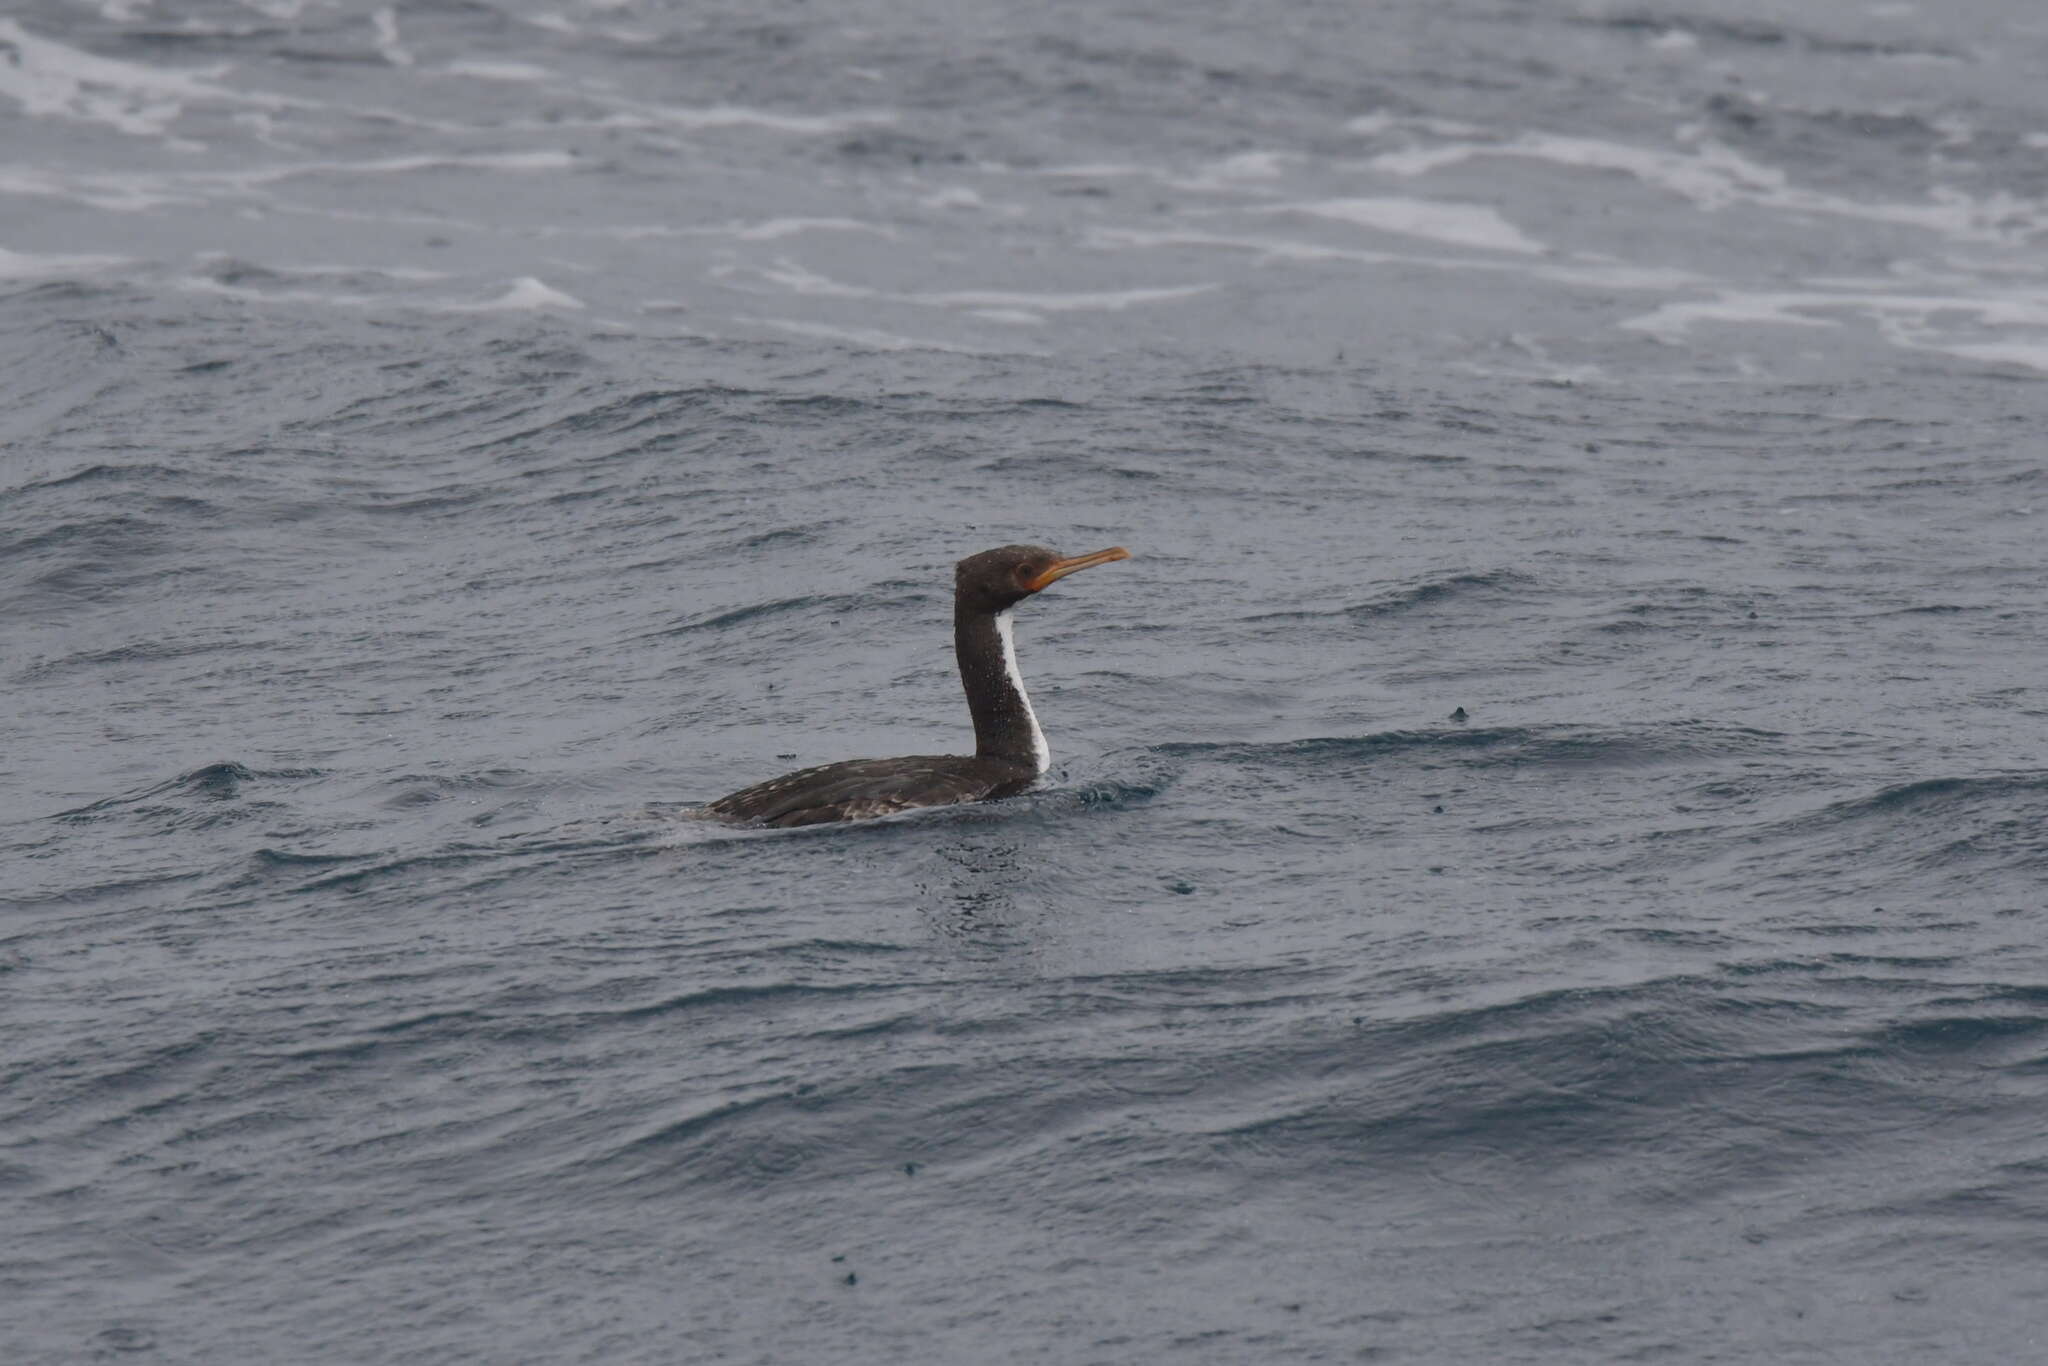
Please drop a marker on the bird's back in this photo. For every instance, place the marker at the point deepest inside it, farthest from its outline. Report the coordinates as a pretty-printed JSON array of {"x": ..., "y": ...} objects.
[{"x": 855, "y": 789}]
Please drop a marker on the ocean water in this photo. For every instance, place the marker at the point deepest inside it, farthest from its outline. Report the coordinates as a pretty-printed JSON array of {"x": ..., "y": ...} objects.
[{"x": 1545, "y": 852}]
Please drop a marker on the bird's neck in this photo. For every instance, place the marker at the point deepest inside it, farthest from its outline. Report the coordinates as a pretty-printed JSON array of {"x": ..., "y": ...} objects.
[{"x": 1004, "y": 725}]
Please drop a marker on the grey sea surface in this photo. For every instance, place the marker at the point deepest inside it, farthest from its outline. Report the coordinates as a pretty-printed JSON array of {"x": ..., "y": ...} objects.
[{"x": 1545, "y": 851}]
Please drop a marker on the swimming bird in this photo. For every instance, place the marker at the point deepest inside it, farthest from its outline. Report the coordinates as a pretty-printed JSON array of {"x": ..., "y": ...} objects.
[{"x": 1009, "y": 748}]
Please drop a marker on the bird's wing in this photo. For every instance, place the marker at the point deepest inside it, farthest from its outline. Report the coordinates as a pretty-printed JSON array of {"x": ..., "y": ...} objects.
[{"x": 857, "y": 789}]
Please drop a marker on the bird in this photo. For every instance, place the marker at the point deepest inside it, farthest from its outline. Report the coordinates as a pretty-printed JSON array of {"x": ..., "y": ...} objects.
[{"x": 1009, "y": 747}]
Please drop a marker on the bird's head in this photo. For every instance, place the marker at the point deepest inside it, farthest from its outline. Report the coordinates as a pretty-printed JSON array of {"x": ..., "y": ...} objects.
[{"x": 1003, "y": 577}]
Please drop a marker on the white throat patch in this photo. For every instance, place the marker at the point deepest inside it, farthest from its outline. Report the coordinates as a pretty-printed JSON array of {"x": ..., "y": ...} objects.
[{"x": 1040, "y": 752}]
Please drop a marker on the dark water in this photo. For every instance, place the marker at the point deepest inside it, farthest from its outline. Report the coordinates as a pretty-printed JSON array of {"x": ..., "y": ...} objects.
[{"x": 445, "y": 440}]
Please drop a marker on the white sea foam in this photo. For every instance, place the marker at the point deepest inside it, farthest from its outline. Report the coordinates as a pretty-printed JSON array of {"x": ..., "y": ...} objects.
[
  {"x": 206, "y": 284},
  {"x": 1599, "y": 274},
  {"x": 538, "y": 159},
  {"x": 1097, "y": 170},
  {"x": 871, "y": 337},
  {"x": 1250, "y": 165},
  {"x": 1271, "y": 248},
  {"x": 111, "y": 191},
  {"x": 1953, "y": 324},
  {"x": 1464, "y": 225},
  {"x": 1793, "y": 306},
  {"x": 49, "y": 80},
  {"x": 953, "y": 197},
  {"x": 799, "y": 279},
  {"x": 524, "y": 294},
  {"x": 1384, "y": 121},
  {"x": 134, "y": 191},
  {"x": 699, "y": 118},
  {"x": 2033, "y": 355},
  {"x": 774, "y": 229},
  {"x": 1588, "y": 273},
  {"x": 385, "y": 21},
  {"x": 23, "y": 265},
  {"x": 498, "y": 71},
  {"x": 767, "y": 230},
  {"x": 802, "y": 280},
  {"x": 1105, "y": 301},
  {"x": 1245, "y": 171},
  {"x": 1713, "y": 176},
  {"x": 1670, "y": 322},
  {"x": 1009, "y": 307}
]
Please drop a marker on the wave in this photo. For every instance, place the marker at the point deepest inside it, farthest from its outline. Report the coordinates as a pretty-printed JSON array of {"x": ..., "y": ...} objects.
[
  {"x": 221, "y": 781},
  {"x": 622, "y": 413},
  {"x": 833, "y": 606},
  {"x": 1316, "y": 1073},
  {"x": 142, "y": 652},
  {"x": 1932, "y": 818},
  {"x": 1427, "y": 592},
  {"x": 1500, "y": 747},
  {"x": 1931, "y": 795},
  {"x": 1763, "y": 33}
]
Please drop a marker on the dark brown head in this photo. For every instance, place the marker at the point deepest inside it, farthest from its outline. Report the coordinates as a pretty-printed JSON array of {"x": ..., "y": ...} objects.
[{"x": 1004, "y": 577}]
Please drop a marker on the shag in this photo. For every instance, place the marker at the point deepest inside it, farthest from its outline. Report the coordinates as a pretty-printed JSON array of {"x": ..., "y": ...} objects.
[{"x": 1009, "y": 748}]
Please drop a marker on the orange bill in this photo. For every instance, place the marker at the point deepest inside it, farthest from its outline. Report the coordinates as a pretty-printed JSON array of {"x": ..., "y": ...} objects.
[{"x": 1059, "y": 569}]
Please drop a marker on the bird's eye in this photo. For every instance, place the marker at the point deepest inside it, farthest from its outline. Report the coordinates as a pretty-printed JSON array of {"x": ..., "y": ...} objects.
[{"x": 1023, "y": 574}]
